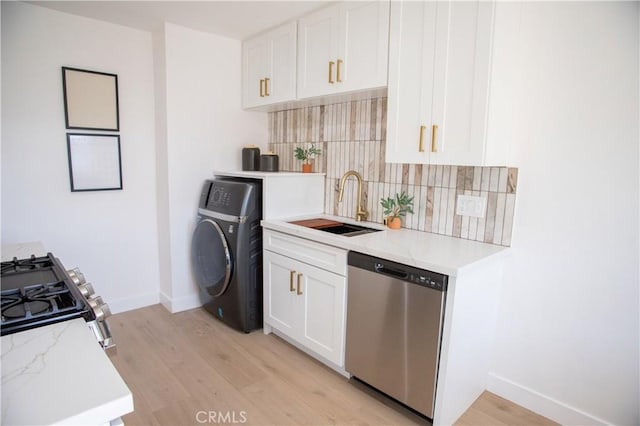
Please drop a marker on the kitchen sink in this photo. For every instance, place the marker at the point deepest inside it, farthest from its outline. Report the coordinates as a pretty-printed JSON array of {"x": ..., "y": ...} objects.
[
  {"x": 333, "y": 227},
  {"x": 348, "y": 230}
]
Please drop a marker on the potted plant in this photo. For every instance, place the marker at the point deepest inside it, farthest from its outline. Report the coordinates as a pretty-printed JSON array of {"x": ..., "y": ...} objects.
[
  {"x": 306, "y": 155},
  {"x": 396, "y": 207}
]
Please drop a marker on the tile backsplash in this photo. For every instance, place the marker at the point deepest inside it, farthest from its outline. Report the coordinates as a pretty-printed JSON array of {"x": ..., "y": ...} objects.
[{"x": 352, "y": 136}]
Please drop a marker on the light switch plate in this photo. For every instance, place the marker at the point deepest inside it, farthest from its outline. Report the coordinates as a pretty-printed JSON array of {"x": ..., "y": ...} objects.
[{"x": 470, "y": 205}]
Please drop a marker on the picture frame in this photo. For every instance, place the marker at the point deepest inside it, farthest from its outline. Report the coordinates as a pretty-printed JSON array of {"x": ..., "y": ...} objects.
[
  {"x": 94, "y": 162},
  {"x": 90, "y": 100}
]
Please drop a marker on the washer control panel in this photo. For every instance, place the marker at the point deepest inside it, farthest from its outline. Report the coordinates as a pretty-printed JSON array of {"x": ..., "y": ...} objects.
[
  {"x": 228, "y": 197},
  {"x": 219, "y": 196}
]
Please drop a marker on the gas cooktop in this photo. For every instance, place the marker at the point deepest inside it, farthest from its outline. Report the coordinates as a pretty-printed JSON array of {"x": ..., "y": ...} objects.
[{"x": 38, "y": 291}]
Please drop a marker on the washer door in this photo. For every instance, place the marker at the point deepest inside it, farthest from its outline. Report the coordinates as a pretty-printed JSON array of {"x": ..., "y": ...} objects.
[{"x": 210, "y": 258}]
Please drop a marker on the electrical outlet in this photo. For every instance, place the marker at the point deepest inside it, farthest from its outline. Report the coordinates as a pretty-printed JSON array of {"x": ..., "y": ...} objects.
[{"x": 470, "y": 205}]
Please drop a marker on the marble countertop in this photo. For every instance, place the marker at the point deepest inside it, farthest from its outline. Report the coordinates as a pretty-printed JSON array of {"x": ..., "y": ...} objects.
[
  {"x": 438, "y": 253},
  {"x": 59, "y": 374}
]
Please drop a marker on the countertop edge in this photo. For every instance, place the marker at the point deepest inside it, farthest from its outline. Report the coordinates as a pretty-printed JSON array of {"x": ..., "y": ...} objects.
[
  {"x": 102, "y": 414},
  {"x": 268, "y": 175}
]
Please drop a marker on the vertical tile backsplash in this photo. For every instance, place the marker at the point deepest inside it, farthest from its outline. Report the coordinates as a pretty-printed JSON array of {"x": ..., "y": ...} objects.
[{"x": 352, "y": 136}]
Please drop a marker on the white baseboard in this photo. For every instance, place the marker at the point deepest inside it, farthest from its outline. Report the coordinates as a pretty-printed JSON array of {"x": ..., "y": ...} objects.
[
  {"x": 541, "y": 404},
  {"x": 179, "y": 304},
  {"x": 130, "y": 303}
]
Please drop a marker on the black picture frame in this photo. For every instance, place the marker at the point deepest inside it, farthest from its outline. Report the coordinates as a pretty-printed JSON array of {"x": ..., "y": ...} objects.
[
  {"x": 90, "y": 100},
  {"x": 94, "y": 162}
]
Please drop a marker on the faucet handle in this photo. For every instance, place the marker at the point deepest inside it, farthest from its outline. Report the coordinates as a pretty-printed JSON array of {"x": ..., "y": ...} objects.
[{"x": 361, "y": 215}]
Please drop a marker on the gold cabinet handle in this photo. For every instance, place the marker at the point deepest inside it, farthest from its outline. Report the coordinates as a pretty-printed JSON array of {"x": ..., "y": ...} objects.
[
  {"x": 298, "y": 291},
  {"x": 331, "y": 64},
  {"x": 434, "y": 138},
  {"x": 266, "y": 87},
  {"x": 421, "y": 143},
  {"x": 338, "y": 78},
  {"x": 291, "y": 281},
  {"x": 261, "y": 88}
]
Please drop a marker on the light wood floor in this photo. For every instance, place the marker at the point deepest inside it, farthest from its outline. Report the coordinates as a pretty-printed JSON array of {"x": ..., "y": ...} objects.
[{"x": 189, "y": 368}]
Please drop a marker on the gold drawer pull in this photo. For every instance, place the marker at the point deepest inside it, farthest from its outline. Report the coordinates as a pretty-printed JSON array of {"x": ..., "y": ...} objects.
[
  {"x": 434, "y": 137},
  {"x": 298, "y": 291},
  {"x": 261, "y": 88},
  {"x": 291, "y": 281},
  {"x": 420, "y": 144},
  {"x": 266, "y": 87},
  {"x": 338, "y": 78},
  {"x": 331, "y": 64}
]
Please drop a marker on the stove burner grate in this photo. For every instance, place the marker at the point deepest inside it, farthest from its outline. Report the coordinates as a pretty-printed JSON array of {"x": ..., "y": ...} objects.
[
  {"x": 22, "y": 310},
  {"x": 37, "y": 291},
  {"x": 29, "y": 264},
  {"x": 38, "y": 300}
]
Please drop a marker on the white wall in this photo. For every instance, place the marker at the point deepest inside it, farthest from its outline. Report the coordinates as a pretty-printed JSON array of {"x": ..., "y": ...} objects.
[
  {"x": 110, "y": 235},
  {"x": 568, "y": 333},
  {"x": 162, "y": 163},
  {"x": 206, "y": 130}
]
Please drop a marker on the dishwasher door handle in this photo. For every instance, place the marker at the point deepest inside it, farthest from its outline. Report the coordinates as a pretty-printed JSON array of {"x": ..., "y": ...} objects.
[{"x": 392, "y": 272}]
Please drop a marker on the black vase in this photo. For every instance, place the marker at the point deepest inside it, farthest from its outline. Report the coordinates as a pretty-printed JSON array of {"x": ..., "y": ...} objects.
[{"x": 251, "y": 158}]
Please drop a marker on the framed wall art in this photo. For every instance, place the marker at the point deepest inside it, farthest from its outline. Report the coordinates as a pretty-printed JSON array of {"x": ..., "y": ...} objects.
[
  {"x": 94, "y": 162},
  {"x": 90, "y": 100}
]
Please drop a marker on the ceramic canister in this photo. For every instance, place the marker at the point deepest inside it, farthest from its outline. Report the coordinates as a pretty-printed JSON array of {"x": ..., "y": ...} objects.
[
  {"x": 251, "y": 158},
  {"x": 269, "y": 162}
]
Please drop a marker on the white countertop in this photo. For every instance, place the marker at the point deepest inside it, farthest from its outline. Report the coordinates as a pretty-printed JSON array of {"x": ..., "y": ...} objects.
[
  {"x": 261, "y": 175},
  {"x": 59, "y": 374},
  {"x": 438, "y": 253}
]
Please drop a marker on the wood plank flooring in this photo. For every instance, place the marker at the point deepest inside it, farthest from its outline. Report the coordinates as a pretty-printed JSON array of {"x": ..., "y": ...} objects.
[{"x": 189, "y": 369}]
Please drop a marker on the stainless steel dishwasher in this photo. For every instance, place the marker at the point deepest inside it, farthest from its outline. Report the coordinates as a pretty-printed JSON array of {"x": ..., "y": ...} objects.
[{"x": 394, "y": 326}]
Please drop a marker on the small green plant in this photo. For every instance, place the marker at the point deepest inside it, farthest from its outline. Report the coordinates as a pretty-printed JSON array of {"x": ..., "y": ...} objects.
[
  {"x": 398, "y": 206},
  {"x": 306, "y": 154}
]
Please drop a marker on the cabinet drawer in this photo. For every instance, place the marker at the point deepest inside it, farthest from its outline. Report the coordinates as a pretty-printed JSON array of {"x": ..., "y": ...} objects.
[{"x": 320, "y": 255}]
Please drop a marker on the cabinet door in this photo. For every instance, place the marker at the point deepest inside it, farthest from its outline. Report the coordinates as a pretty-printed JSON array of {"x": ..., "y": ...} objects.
[
  {"x": 307, "y": 304},
  {"x": 281, "y": 83},
  {"x": 255, "y": 65},
  {"x": 317, "y": 46},
  {"x": 411, "y": 59},
  {"x": 323, "y": 324},
  {"x": 363, "y": 46},
  {"x": 439, "y": 59},
  {"x": 343, "y": 48},
  {"x": 281, "y": 303},
  {"x": 460, "y": 98},
  {"x": 269, "y": 67}
]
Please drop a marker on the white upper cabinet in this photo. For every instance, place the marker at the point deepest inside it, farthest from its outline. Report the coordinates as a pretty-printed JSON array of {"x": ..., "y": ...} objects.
[
  {"x": 439, "y": 66},
  {"x": 343, "y": 48},
  {"x": 269, "y": 67}
]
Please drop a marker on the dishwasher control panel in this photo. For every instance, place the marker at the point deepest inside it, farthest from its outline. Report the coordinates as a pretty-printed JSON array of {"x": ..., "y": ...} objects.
[
  {"x": 399, "y": 271},
  {"x": 426, "y": 280}
]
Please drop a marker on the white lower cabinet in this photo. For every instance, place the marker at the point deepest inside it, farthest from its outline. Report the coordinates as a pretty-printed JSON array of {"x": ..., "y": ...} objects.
[{"x": 305, "y": 303}]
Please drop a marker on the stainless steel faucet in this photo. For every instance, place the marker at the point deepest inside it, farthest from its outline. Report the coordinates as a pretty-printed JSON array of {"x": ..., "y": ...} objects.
[{"x": 361, "y": 213}]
